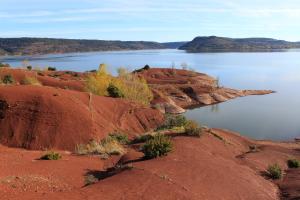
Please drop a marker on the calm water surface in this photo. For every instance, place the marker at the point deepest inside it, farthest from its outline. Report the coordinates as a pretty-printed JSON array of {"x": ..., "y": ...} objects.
[{"x": 274, "y": 116}]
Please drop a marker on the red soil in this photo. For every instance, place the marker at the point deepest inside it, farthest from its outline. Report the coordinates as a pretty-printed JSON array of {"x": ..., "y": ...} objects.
[
  {"x": 209, "y": 168},
  {"x": 35, "y": 117}
]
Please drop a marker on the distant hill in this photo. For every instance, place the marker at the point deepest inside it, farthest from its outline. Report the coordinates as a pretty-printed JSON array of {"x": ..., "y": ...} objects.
[
  {"x": 173, "y": 45},
  {"x": 31, "y": 46},
  {"x": 222, "y": 44}
]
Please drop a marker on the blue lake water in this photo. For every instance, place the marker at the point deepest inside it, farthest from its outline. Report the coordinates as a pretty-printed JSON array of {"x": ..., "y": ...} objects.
[{"x": 272, "y": 116}]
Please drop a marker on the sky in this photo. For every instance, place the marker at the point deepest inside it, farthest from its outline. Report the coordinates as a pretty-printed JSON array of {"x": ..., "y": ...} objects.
[{"x": 150, "y": 20}]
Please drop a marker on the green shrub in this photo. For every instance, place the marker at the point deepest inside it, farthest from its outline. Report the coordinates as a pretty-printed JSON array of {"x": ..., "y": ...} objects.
[
  {"x": 8, "y": 79},
  {"x": 51, "y": 156},
  {"x": 29, "y": 68},
  {"x": 51, "y": 68},
  {"x": 274, "y": 171},
  {"x": 293, "y": 163},
  {"x": 192, "y": 128},
  {"x": 114, "y": 91},
  {"x": 159, "y": 145},
  {"x": 172, "y": 121},
  {"x": 121, "y": 138}
]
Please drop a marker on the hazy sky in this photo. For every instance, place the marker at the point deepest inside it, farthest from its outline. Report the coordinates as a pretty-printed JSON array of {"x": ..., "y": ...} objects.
[{"x": 155, "y": 20}]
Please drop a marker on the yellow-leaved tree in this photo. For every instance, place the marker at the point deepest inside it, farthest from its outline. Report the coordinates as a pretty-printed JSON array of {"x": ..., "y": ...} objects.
[
  {"x": 131, "y": 86},
  {"x": 98, "y": 83}
]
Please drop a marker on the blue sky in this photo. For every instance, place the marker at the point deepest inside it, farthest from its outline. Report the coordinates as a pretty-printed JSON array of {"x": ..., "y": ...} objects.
[{"x": 153, "y": 20}]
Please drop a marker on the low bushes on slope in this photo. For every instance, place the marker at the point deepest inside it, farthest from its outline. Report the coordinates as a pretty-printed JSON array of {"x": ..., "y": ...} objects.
[
  {"x": 192, "y": 128},
  {"x": 159, "y": 145},
  {"x": 112, "y": 145},
  {"x": 274, "y": 171}
]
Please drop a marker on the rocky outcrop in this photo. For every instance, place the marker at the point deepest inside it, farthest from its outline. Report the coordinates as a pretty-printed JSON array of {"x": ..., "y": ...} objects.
[{"x": 175, "y": 90}]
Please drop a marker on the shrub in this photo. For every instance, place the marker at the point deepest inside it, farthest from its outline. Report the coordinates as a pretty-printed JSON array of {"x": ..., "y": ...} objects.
[
  {"x": 114, "y": 91},
  {"x": 51, "y": 68},
  {"x": 121, "y": 138},
  {"x": 146, "y": 67},
  {"x": 30, "y": 81},
  {"x": 172, "y": 121},
  {"x": 29, "y": 68},
  {"x": 51, "y": 156},
  {"x": 274, "y": 171},
  {"x": 159, "y": 145},
  {"x": 128, "y": 85},
  {"x": 293, "y": 163},
  {"x": 98, "y": 83},
  {"x": 134, "y": 88},
  {"x": 8, "y": 79},
  {"x": 193, "y": 129}
]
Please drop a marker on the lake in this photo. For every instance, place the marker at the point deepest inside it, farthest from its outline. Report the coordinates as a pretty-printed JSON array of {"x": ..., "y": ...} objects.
[{"x": 272, "y": 116}]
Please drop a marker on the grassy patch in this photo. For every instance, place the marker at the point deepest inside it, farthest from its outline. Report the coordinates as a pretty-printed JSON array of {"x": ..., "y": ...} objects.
[
  {"x": 30, "y": 81},
  {"x": 108, "y": 146},
  {"x": 192, "y": 128},
  {"x": 172, "y": 121},
  {"x": 159, "y": 145}
]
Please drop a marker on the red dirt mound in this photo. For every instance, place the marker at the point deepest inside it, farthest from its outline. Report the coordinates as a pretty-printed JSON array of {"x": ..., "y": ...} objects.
[{"x": 37, "y": 117}]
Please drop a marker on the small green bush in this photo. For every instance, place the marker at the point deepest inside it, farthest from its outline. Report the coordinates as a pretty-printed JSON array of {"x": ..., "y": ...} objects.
[
  {"x": 121, "y": 138},
  {"x": 29, "y": 68},
  {"x": 192, "y": 128},
  {"x": 114, "y": 91},
  {"x": 172, "y": 121},
  {"x": 51, "y": 156},
  {"x": 8, "y": 79},
  {"x": 51, "y": 68},
  {"x": 274, "y": 171},
  {"x": 293, "y": 163},
  {"x": 159, "y": 145}
]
